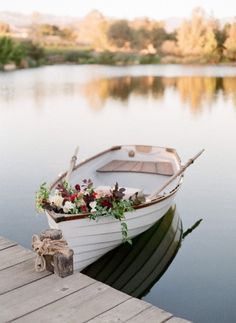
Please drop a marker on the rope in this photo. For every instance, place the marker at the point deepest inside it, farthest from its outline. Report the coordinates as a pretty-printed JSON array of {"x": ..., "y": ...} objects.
[{"x": 47, "y": 247}]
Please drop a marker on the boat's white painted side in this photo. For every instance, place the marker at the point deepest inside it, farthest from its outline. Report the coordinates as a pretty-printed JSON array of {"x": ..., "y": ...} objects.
[{"x": 91, "y": 239}]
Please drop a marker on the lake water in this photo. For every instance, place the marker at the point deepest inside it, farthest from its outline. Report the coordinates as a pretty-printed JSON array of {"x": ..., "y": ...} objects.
[{"x": 46, "y": 112}]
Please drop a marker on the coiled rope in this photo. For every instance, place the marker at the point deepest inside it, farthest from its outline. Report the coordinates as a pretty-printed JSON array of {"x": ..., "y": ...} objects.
[{"x": 47, "y": 246}]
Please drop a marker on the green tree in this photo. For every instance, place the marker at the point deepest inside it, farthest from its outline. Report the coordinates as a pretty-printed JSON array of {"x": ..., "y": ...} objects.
[
  {"x": 18, "y": 53},
  {"x": 48, "y": 30},
  {"x": 6, "y": 49},
  {"x": 140, "y": 39},
  {"x": 33, "y": 51},
  {"x": 158, "y": 36},
  {"x": 68, "y": 34},
  {"x": 119, "y": 33}
]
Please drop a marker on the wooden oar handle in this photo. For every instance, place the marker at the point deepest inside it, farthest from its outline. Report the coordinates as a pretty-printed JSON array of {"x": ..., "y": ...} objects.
[
  {"x": 72, "y": 164},
  {"x": 182, "y": 169}
]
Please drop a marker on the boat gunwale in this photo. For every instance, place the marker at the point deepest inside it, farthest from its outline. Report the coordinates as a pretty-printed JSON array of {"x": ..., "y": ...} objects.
[{"x": 62, "y": 217}]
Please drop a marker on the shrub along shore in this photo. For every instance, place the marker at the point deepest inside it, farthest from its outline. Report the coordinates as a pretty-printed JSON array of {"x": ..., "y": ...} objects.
[
  {"x": 27, "y": 54},
  {"x": 15, "y": 54}
]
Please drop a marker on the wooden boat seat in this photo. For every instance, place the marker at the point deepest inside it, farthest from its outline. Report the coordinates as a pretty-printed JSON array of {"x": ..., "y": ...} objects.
[{"x": 149, "y": 167}]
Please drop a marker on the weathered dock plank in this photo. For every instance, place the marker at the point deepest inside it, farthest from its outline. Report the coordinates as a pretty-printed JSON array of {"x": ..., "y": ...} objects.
[
  {"x": 19, "y": 275},
  {"x": 5, "y": 243},
  {"x": 80, "y": 306},
  {"x": 45, "y": 291},
  {"x": 14, "y": 255},
  {"x": 28, "y": 296},
  {"x": 122, "y": 312},
  {"x": 151, "y": 314}
]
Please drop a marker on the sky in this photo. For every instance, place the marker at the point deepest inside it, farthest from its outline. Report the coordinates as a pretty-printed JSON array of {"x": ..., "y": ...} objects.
[{"x": 122, "y": 8}]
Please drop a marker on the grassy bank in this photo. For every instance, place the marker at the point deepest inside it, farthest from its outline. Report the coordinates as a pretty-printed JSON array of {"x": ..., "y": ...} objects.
[
  {"x": 87, "y": 56},
  {"x": 27, "y": 54}
]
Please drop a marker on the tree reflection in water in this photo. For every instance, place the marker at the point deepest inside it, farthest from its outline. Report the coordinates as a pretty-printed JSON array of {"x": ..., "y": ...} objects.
[{"x": 194, "y": 91}]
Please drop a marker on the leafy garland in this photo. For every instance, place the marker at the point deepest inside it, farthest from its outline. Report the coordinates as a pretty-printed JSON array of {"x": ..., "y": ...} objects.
[{"x": 84, "y": 199}]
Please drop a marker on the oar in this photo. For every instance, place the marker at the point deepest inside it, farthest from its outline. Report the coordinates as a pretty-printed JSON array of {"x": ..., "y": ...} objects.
[
  {"x": 182, "y": 169},
  {"x": 72, "y": 165}
]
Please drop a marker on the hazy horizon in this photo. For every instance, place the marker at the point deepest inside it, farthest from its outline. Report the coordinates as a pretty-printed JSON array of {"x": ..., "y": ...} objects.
[{"x": 123, "y": 9}]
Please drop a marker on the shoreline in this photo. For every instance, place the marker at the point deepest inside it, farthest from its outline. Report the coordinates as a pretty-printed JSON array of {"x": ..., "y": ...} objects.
[{"x": 12, "y": 67}]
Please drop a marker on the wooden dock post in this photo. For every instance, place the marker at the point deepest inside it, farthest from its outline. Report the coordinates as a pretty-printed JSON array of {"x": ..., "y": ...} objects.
[{"x": 53, "y": 252}]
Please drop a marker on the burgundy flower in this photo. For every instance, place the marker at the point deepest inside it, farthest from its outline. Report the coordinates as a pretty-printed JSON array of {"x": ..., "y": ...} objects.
[
  {"x": 94, "y": 195},
  {"x": 89, "y": 198},
  {"x": 84, "y": 208},
  {"x": 106, "y": 203},
  {"x": 77, "y": 187},
  {"x": 73, "y": 197}
]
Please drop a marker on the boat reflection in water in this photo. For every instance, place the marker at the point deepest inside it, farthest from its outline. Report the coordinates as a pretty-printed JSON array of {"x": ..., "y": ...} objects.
[{"x": 134, "y": 269}]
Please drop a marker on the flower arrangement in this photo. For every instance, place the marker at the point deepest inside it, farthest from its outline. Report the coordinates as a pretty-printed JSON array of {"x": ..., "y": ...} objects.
[{"x": 86, "y": 200}]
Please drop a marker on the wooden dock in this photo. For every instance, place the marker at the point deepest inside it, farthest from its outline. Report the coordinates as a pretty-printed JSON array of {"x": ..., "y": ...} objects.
[{"x": 29, "y": 296}]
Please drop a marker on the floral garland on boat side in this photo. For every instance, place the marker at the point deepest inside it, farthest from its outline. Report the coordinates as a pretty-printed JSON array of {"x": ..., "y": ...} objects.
[{"x": 83, "y": 199}]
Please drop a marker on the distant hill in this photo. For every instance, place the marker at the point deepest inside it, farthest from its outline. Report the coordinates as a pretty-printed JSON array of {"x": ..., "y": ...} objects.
[
  {"x": 24, "y": 20},
  {"x": 19, "y": 20},
  {"x": 173, "y": 23}
]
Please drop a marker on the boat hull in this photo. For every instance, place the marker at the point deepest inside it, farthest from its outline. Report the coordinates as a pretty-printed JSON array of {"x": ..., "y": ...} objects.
[
  {"x": 91, "y": 239},
  {"x": 134, "y": 270}
]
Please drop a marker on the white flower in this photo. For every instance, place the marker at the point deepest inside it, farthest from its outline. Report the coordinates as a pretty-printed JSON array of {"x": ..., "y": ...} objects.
[
  {"x": 93, "y": 205},
  {"x": 68, "y": 206},
  {"x": 56, "y": 199}
]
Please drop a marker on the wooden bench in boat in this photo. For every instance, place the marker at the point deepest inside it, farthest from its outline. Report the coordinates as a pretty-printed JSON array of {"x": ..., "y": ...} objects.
[{"x": 149, "y": 167}]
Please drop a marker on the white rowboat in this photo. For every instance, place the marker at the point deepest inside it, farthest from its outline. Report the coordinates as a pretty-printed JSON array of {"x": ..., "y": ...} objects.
[{"x": 154, "y": 172}]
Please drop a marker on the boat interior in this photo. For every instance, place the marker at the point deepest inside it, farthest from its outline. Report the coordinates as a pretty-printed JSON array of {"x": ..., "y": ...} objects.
[{"x": 136, "y": 168}]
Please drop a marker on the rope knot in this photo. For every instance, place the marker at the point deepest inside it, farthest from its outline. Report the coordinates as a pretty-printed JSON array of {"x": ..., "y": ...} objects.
[{"x": 45, "y": 247}]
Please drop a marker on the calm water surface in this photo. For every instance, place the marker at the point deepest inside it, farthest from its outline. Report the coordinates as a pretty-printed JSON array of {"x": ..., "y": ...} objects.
[{"x": 46, "y": 112}]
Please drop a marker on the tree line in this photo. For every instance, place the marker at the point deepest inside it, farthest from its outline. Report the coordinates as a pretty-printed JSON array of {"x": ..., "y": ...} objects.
[{"x": 199, "y": 39}]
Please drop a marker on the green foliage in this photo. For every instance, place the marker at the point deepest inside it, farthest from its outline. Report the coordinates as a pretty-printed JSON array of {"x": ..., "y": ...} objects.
[
  {"x": 106, "y": 58},
  {"x": 33, "y": 51},
  {"x": 199, "y": 39},
  {"x": 42, "y": 197},
  {"x": 6, "y": 50},
  {"x": 117, "y": 211},
  {"x": 157, "y": 36},
  {"x": 15, "y": 52},
  {"x": 149, "y": 59},
  {"x": 48, "y": 30},
  {"x": 68, "y": 34},
  {"x": 119, "y": 33},
  {"x": 18, "y": 53},
  {"x": 80, "y": 56},
  {"x": 220, "y": 36},
  {"x": 141, "y": 38}
]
